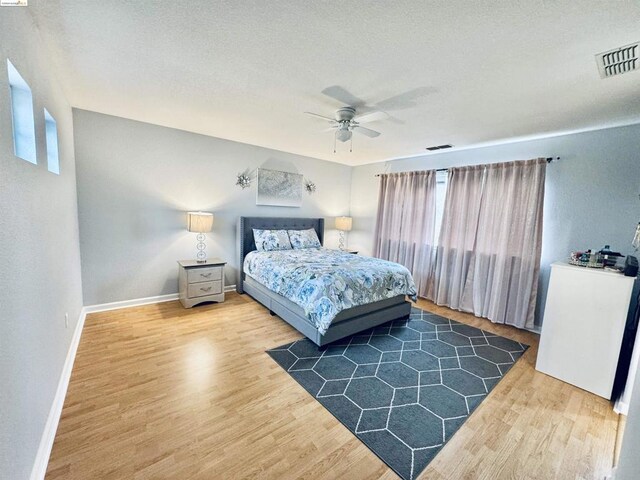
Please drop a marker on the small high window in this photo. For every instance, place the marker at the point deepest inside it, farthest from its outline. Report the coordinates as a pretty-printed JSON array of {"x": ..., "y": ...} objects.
[
  {"x": 51, "y": 129},
  {"x": 24, "y": 133}
]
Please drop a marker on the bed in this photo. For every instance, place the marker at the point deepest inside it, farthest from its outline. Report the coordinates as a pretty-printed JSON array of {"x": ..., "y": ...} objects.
[{"x": 347, "y": 322}]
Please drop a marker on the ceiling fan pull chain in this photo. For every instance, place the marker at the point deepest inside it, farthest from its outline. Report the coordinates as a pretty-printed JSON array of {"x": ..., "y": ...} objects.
[
  {"x": 334, "y": 142},
  {"x": 351, "y": 145}
]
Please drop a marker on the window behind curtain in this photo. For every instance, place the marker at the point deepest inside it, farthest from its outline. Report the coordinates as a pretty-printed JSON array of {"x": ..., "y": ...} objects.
[{"x": 441, "y": 194}]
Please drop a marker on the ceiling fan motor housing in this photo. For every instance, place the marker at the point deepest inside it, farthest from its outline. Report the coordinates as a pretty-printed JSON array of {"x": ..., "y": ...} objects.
[{"x": 345, "y": 114}]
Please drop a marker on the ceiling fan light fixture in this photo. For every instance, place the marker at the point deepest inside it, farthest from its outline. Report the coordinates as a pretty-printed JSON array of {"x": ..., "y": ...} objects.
[{"x": 343, "y": 134}]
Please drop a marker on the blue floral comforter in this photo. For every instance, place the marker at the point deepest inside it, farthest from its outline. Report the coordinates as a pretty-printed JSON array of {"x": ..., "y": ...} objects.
[{"x": 324, "y": 282}]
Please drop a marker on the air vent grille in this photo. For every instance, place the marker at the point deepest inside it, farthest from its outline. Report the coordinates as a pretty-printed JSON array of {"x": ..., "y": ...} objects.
[
  {"x": 439, "y": 147},
  {"x": 619, "y": 61}
]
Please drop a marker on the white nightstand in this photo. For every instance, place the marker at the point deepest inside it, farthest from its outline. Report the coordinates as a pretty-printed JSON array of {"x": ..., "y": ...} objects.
[{"x": 201, "y": 282}]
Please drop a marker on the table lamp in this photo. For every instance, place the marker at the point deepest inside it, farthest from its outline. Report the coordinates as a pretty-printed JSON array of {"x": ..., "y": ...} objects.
[
  {"x": 343, "y": 224},
  {"x": 200, "y": 223}
]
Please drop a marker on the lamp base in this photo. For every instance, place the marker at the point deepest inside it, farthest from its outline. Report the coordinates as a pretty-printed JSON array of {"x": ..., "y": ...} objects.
[
  {"x": 201, "y": 257},
  {"x": 341, "y": 241}
]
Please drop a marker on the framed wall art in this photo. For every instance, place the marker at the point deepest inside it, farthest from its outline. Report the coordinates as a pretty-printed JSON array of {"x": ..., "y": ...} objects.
[{"x": 281, "y": 189}]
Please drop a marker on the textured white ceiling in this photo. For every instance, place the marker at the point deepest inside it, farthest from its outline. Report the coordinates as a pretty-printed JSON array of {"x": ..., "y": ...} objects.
[{"x": 247, "y": 70}]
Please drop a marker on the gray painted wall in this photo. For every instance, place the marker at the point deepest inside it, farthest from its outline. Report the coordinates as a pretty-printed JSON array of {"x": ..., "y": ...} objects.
[
  {"x": 39, "y": 253},
  {"x": 591, "y": 196},
  {"x": 137, "y": 180},
  {"x": 629, "y": 461}
]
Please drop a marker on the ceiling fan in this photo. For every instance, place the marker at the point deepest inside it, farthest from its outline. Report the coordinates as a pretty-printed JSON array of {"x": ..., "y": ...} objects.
[
  {"x": 345, "y": 123},
  {"x": 346, "y": 119}
]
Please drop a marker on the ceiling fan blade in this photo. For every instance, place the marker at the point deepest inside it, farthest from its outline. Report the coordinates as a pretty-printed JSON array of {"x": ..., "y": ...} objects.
[
  {"x": 340, "y": 94},
  {"x": 320, "y": 116},
  {"x": 405, "y": 100},
  {"x": 330, "y": 129},
  {"x": 395, "y": 120},
  {"x": 366, "y": 131},
  {"x": 371, "y": 117}
]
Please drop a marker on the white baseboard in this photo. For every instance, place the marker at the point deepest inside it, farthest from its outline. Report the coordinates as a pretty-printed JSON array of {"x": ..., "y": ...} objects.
[
  {"x": 136, "y": 302},
  {"x": 46, "y": 442},
  {"x": 621, "y": 408}
]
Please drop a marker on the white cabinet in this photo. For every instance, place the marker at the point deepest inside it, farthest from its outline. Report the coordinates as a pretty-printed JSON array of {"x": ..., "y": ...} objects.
[{"x": 584, "y": 320}]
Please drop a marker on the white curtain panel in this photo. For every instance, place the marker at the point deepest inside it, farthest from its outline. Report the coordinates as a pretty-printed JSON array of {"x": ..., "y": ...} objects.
[
  {"x": 405, "y": 226},
  {"x": 457, "y": 236},
  {"x": 502, "y": 280}
]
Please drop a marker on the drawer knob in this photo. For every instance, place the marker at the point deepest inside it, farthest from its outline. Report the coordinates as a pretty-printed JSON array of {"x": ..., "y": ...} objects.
[
  {"x": 205, "y": 289},
  {"x": 205, "y": 275}
]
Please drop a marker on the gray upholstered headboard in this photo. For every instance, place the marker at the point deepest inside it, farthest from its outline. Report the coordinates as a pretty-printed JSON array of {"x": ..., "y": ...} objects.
[{"x": 247, "y": 244}]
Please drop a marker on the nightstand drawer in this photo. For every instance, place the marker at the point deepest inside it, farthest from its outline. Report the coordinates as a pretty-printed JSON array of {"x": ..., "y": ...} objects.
[
  {"x": 203, "y": 289},
  {"x": 195, "y": 275}
]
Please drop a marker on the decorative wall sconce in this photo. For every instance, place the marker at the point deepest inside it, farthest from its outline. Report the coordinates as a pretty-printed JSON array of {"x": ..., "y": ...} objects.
[
  {"x": 310, "y": 186},
  {"x": 244, "y": 180}
]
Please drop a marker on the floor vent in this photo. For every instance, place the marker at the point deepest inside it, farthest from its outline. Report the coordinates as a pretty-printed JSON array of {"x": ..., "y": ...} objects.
[
  {"x": 439, "y": 147},
  {"x": 619, "y": 61}
]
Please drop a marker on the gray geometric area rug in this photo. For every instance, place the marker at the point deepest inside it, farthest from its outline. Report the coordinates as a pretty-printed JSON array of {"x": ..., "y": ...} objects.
[{"x": 403, "y": 388}]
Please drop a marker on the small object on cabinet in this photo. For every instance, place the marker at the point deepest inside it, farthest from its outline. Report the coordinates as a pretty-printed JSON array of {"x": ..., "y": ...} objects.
[
  {"x": 630, "y": 266},
  {"x": 200, "y": 282},
  {"x": 586, "y": 259},
  {"x": 609, "y": 258}
]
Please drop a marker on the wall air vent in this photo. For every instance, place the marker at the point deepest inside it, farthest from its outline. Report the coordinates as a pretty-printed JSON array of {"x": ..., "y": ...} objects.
[
  {"x": 439, "y": 147},
  {"x": 619, "y": 61}
]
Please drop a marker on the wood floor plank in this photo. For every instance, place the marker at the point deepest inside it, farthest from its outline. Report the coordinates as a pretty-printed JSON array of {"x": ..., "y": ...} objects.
[{"x": 163, "y": 392}]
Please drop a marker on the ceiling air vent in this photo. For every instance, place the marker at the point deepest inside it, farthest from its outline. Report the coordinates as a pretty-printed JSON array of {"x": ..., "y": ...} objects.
[
  {"x": 439, "y": 147},
  {"x": 619, "y": 61}
]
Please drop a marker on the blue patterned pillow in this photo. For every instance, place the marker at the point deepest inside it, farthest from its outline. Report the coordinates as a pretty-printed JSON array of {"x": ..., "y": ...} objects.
[
  {"x": 304, "y": 239},
  {"x": 269, "y": 240}
]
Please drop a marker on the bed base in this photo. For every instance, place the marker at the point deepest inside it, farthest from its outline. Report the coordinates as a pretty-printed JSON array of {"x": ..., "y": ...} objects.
[{"x": 347, "y": 323}]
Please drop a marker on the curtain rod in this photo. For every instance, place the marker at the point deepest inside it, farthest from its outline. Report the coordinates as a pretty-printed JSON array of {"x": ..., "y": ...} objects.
[{"x": 548, "y": 159}]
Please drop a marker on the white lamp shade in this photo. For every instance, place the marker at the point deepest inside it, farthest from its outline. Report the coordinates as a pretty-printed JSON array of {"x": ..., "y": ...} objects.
[
  {"x": 344, "y": 223},
  {"x": 199, "y": 222}
]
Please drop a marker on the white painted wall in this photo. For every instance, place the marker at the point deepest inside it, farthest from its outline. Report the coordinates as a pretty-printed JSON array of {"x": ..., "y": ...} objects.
[
  {"x": 137, "y": 180},
  {"x": 39, "y": 253},
  {"x": 591, "y": 196}
]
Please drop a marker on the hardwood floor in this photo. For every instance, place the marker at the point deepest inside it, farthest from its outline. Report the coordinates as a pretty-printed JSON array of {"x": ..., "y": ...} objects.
[{"x": 163, "y": 392}]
